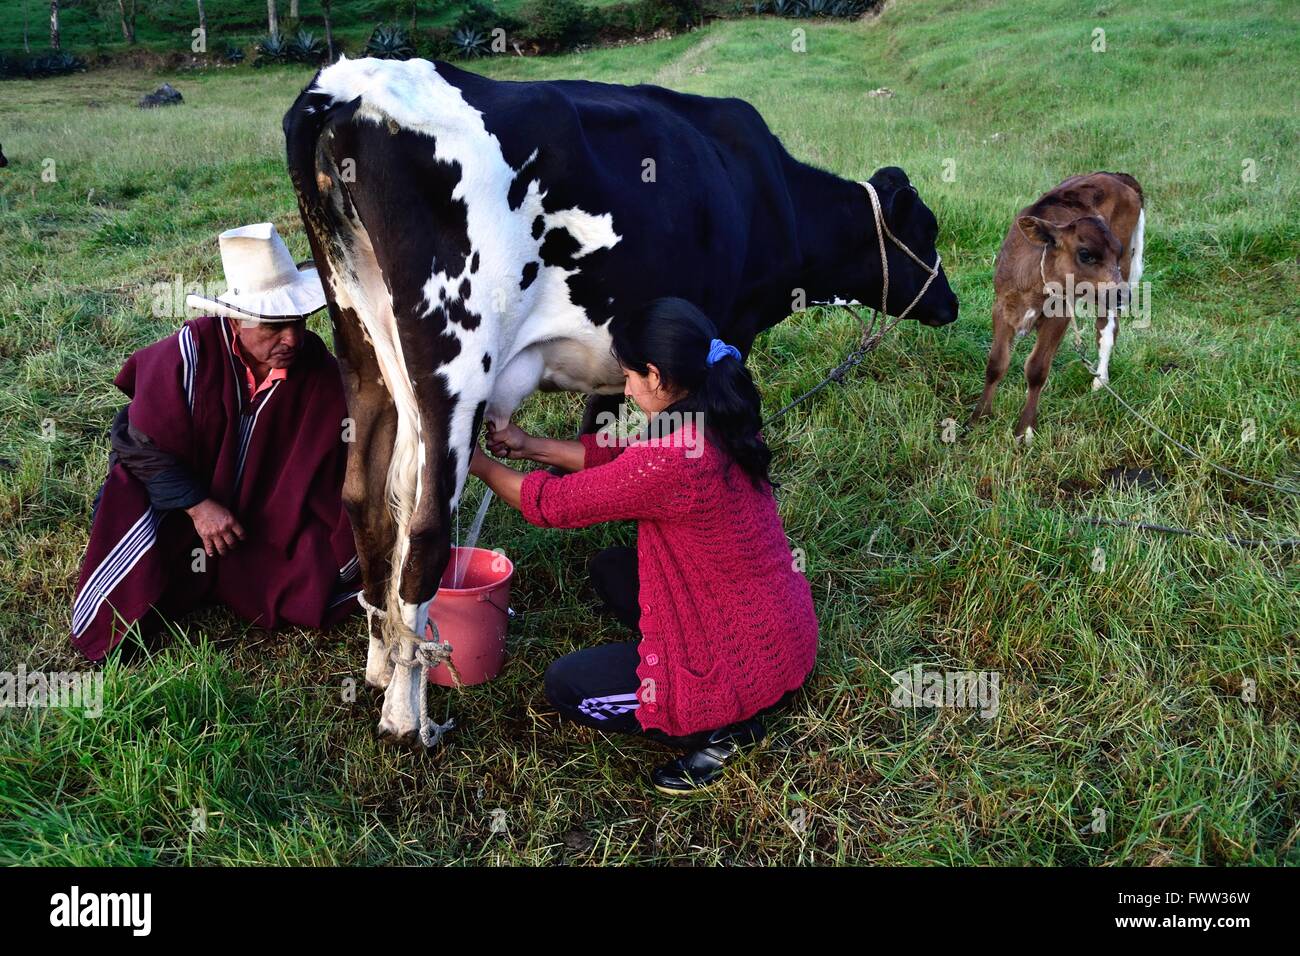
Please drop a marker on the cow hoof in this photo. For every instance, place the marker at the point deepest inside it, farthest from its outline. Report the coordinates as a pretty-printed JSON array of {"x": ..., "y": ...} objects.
[
  {"x": 1097, "y": 384},
  {"x": 402, "y": 739},
  {"x": 1026, "y": 437}
]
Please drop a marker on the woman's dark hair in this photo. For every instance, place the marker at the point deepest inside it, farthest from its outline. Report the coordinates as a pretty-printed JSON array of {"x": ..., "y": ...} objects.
[{"x": 675, "y": 336}]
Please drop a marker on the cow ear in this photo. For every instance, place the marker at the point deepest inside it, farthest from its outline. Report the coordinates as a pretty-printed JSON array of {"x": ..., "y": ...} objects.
[
  {"x": 894, "y": 190},
  {"x": 1038, "y": 231}
]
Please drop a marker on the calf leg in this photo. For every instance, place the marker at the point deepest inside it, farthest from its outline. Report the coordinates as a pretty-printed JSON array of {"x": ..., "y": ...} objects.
[
  {"x": 999, "y": 361},
  {"x": 1107, "y": 332},
  {"x": 1037, "y": 366}
]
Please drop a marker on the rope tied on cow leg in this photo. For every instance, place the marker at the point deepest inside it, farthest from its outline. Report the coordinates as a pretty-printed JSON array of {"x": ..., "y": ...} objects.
[
  {"x": 429, "y": 655},
  {"x": 368, "y": 607}
]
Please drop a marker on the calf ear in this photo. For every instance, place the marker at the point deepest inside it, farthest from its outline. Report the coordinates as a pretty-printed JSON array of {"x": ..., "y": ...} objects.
[{"x": 1038, "y": 231}]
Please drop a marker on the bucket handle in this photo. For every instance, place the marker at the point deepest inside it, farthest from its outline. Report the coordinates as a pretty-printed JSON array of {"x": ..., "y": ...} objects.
[{"x": 488, "y": 598}]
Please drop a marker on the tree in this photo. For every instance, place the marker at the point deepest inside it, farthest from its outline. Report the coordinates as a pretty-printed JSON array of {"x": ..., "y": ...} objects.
[
  {"x": 293, "y": 10},
  {"x": 203, "y": 20},
  {"x": 54, "y": 24},
  {"x": 329, "y": 33},
  {"x": 126, "y": 9},
  {"x": 272, "y": 19}
]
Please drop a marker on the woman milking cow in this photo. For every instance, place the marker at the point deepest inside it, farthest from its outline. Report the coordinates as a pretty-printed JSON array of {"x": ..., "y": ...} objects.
[{"x": 225, "y": 486}]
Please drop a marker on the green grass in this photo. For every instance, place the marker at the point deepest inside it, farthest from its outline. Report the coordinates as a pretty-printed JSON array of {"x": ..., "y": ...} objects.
[{"x": 1121, "y": 690}]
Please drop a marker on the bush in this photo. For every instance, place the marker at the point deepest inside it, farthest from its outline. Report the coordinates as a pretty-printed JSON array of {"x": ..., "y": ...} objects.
[
  {"x": 638, "y": 17},
  {"x": 563, "y": 24},
  {"x": 233, "y": 54},
  {"x": 34, "y": 67},
  {"x": 388, "y": 41},
  {"x": 484, "y": 18}
]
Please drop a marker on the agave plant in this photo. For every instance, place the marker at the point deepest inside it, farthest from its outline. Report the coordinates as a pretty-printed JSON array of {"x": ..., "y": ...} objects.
[
  {"x": 816, "y": 8},
  {"x": 273, "y": 48},
  {"x": 389, "y": 42},
  {"x": 233, "y": 54},
  {"x": 469, "y": 43},
  {"x": 306, "y": 47}
]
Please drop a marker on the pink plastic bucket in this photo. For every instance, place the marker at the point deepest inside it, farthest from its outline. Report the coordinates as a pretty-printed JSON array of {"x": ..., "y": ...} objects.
[{"x": 473, "y": 617}]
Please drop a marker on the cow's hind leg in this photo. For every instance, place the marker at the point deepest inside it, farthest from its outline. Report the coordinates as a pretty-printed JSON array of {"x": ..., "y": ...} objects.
[
  {"x": 371, "y": 431},
  {"x": 423, "y": 488}
]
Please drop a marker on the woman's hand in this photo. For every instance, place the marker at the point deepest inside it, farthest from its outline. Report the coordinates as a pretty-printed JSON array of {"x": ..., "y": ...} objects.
[
  {"x": 502, "y": 479},
  {"x": 216, "y": 526},
  {"x": 478, "y": 462},
  {"x": 511, "y": 442}
]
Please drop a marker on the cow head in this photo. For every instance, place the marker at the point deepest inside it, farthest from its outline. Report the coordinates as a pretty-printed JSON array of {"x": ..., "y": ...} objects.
[
  {"x": 1080, "y": 259},
  {"x": 914, "y": 225}
]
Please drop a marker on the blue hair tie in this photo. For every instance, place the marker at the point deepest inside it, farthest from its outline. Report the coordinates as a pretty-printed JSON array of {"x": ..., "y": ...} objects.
[{"x": 719, "y": 349}]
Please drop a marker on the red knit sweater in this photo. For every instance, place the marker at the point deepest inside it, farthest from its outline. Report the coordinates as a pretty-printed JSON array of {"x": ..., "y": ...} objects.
[{"x": 727, "y": 624}]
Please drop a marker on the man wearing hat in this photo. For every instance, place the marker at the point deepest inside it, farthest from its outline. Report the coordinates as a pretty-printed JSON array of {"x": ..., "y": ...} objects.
[{"x": 226, "y": 476}]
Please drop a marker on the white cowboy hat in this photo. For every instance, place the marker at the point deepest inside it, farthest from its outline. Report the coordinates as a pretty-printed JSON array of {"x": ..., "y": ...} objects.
[{"x": 264, "y": 283}]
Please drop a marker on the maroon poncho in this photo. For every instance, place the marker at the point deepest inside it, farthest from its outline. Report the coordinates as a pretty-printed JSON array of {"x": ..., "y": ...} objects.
[{"x": 277, "y": 463}]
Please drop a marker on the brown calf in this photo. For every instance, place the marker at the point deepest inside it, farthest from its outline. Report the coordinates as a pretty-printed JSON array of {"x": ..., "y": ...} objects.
[{"x": 1081, "y": 241}]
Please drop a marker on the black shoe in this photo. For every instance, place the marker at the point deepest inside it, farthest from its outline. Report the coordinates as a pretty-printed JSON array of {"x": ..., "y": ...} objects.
[{"x": 703, "y": 768}]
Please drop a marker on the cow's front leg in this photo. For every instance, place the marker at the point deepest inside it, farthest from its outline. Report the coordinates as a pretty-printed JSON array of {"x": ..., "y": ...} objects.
[{"x": 1107, "y": 330}]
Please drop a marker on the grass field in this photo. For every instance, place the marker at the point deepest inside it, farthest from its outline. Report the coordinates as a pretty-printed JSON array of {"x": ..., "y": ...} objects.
[{"x": 1125, "y": 692}]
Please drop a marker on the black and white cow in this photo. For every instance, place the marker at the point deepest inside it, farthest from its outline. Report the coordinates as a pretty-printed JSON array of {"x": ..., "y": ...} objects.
[{"x": 475, "y": 238}]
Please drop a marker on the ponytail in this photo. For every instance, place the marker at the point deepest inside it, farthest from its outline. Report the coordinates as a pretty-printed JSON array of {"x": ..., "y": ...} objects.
[{"x": 681, "y": 342}]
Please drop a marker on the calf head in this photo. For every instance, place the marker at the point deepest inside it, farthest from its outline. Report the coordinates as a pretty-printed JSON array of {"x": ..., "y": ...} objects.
[
  {"x": 1080, "y": 261},
  {"x": 916, "y": 227}
]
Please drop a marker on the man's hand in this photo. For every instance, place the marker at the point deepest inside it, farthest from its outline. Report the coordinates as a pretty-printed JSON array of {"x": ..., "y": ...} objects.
[
  {"x": 511, "y": 442},
  {"x": 216, "y": 526}
]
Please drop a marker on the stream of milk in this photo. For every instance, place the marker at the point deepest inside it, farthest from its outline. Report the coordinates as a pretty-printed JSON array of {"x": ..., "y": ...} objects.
[{"x": 471, "y": 538}]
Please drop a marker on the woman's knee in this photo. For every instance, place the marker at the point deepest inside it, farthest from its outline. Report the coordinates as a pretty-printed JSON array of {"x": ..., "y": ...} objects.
[{"x": 557, "y": 682}]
